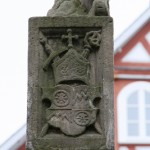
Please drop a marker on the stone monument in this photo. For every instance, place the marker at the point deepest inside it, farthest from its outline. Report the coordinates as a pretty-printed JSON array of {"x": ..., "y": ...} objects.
[{"x": 70, "y": 80}]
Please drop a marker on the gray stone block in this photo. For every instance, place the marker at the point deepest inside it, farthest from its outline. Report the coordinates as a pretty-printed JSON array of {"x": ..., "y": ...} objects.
[{"x": 70, "y": 83}]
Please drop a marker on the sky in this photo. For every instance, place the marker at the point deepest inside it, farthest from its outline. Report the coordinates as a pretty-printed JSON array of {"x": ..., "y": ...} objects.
[{"x": 14, "y": 15}]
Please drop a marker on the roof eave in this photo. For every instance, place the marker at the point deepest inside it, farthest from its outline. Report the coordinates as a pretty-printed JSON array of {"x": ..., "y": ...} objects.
[{"x": 131, "y": 31}]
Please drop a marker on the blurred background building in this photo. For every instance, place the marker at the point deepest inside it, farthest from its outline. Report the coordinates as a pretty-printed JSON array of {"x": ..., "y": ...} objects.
[
  {"x": 132, "y": 90},
  {"x": 132, "y": 86}
]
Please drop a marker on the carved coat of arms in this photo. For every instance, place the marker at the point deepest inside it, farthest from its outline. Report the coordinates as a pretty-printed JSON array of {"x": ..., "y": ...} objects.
[{"x": 72, "y": 98}]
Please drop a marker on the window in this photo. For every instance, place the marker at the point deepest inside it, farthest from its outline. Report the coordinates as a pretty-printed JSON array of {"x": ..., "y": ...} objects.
[
  {"x": 147, "y": 101},
  {"x": 134, "y": 113}
]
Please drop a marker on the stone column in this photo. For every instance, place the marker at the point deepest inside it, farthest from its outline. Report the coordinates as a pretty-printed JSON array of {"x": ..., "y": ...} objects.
[{"x": 70, "y": 78}]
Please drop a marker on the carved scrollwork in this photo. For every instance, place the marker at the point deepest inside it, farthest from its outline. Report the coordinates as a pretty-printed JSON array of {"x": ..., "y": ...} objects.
[
  {"x": 93, "y": 39},
  {"x": 92, "y": 42}
]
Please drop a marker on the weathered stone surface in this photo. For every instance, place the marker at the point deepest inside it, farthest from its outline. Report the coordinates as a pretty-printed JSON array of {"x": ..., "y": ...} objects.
[
  {"x": 79, "y": 8},
  {"x": 70, "y": 94}
]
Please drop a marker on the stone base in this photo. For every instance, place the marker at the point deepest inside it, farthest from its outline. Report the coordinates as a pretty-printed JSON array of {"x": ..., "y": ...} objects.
[{"x": 62, "y": 142}]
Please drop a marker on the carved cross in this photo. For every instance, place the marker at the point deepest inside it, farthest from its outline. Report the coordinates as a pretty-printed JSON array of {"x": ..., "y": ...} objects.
[{"x": 70, "y": 38}]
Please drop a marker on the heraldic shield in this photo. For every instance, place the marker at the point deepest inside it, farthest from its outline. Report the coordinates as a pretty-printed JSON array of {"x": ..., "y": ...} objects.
[{"x": 72, "y": 108}]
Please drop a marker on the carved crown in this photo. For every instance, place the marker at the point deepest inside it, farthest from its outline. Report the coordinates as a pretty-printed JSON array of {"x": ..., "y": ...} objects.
[{"x": 71, "y": 67}]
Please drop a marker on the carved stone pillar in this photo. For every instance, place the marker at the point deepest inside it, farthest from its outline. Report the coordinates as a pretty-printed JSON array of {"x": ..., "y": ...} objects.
[{"x": 70, "y": 90}]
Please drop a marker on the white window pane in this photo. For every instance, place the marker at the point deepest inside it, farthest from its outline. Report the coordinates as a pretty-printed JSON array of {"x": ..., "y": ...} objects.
[
  {"x": 148, "y": 114},
  {"x": 133, "y": 113},
  {"x": 147, "y": 97},
  {"x": 133, "y": 98},
  {"x": 148, "y": 129},
  {"x": 133, "y": 129}
]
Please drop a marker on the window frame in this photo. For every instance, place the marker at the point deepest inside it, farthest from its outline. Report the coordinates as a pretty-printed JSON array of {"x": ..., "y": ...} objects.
[{"x": 123, "y": 137}]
